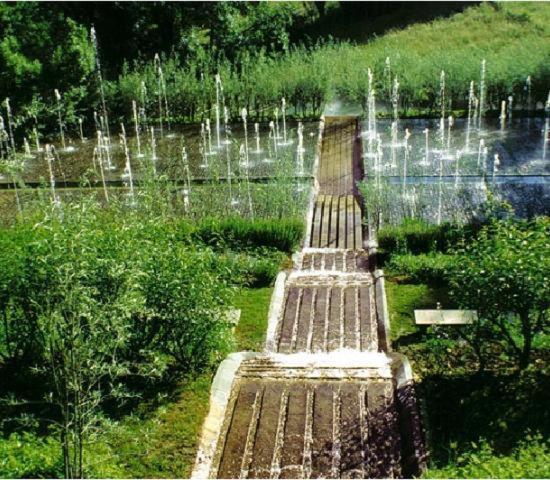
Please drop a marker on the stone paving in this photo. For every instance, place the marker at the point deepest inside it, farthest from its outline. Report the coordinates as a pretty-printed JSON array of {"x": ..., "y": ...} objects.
[{"x": 326, "y": 399}]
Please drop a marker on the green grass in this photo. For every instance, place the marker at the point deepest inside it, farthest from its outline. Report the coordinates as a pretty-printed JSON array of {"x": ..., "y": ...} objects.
[
  {"x": 251, "y": 330},
  {"x": 403, "y": 299}
]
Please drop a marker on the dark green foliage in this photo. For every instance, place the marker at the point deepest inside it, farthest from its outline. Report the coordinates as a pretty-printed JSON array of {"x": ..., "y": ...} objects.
[
  {"x": 423, "y": 268},
  {"x": 417, "y": 236},
  {"x": 504, "y": 275},
  {"x": 238, "y": 233}
]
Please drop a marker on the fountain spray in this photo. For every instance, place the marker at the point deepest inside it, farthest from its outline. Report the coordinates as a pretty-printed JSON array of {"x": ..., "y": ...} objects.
[
  {"x": 529, "y": 96},
  {"x": 276, "y": 113},
  {"x": 101, "y": 90},
  {"x": 50, "y": 160},
  {"x": 502, "y": 116},
  {"x": 482, "y": 92},
  {"x": 510, "y": 107},
  {"x": 450, "y": 125},
  {"x": 128, "y": 167},
  {"x": 300, "y": 150},
  {"x": 545, "y": 132},
  {"x": 153, "y": 148},
  {"x": 458, "y": 154},
  {"x": 100, "y": 159},
  {"x": 257, "y": 134},
  {"x": 218, "y": 86},
  {"x": 283, "y": 110},
  {"x": 243, "y": 155},
  {"x": 442, "y": 94},
  {"x": 27, "y": 147},
  {"x": 156, "y": 62},
  {"x": 209, "y": 136},
  {"x": 273, "y": 136},
  {"x": 387, "y": 76},
  {"x": 61, "y": 132},
  {"x": 426, "y": 149},
  {"x": 243, "y": 116},
  {"x": 395, "y": 100},
  {"x": 471, "y": 100},
  {"x": 496, "y": 164},
  {"x": 82, "y": 139},
  {"x": 405, "y": 162},
  {"x": 36, "y": 139},
  {"x": 479, "y": 152},
  {"x": 136, "y": 128},
  {"x": 10, "y": 123},
  {"x": 393, "y": 144},
  {"x": 143, "y": 110}
]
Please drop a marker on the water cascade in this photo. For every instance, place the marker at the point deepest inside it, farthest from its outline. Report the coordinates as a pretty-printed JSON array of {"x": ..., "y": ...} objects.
[
  {"x": 127, "y": 175},
  {"x": 482, "y": 92},
  {"x": 136, "y": 128},
  {"x": 61, "y": 132}
]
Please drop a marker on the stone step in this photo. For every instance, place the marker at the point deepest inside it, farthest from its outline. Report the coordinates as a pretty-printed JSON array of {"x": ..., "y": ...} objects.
[
  {"x": 337, "y": 260},
  {"x": 327, "y": 313},
  {"x": 337, "y": 223},
  {"x": 315, "y": 428}
]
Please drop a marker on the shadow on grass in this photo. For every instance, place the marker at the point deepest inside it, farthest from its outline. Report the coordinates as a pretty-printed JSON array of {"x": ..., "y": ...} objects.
[
  {"x": 459, "y": 410},
  {"x": 361, "y": 21}
]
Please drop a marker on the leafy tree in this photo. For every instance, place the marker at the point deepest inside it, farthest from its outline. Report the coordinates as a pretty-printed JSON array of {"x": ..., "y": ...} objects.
[{"x": 504, "y": 274}]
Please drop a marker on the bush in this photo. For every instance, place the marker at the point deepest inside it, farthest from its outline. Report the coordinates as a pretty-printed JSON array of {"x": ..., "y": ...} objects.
[
  {"x": 27, "y": 456},
  {"x": 424, "y": 268},
  {"x": 503, "y": 274},
  {"x": 238, "y": 233}
]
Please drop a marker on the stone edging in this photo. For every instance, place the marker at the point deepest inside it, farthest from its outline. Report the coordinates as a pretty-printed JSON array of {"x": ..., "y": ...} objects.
[{"x": 219, "y": 397}]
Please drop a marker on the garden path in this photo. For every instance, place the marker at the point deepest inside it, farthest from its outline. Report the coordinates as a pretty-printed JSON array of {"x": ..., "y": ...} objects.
[{"x": 326, "y": 399}]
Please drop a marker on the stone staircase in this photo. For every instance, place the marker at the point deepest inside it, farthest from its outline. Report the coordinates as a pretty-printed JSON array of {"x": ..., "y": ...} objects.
[{"x": 327, "y": 398}]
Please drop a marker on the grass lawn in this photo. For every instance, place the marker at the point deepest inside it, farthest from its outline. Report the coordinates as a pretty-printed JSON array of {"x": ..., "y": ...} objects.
[{"x": 252, "y": 327}]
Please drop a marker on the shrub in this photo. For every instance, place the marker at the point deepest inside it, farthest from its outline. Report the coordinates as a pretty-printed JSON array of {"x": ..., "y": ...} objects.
[
  {"x": 503, "y": 274},
  {"x": 27, "y": 456},
  {"x": 424, "y": 268},
  {"x": 239, "y": 233}
]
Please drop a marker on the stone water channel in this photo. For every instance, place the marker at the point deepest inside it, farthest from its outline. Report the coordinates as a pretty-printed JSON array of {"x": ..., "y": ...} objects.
[{"x": 327, "y": 398}]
